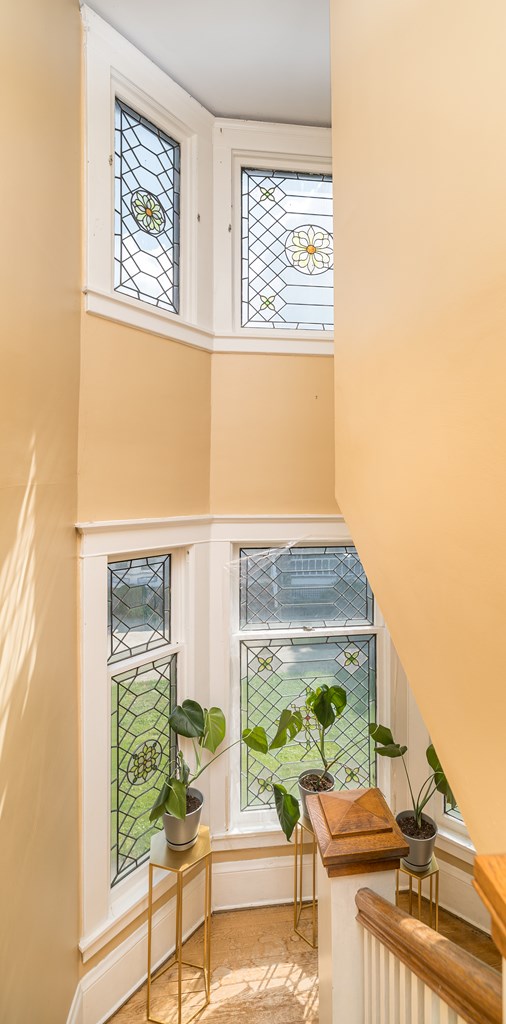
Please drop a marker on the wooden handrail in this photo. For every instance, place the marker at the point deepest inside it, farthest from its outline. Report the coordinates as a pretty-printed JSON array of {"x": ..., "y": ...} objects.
[
  {"x": 490, "y": 883},
  {"x": 459, "y": 979}
]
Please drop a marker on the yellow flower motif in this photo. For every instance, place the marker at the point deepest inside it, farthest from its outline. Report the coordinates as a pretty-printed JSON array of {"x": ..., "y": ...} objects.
[
  {"x": 148, "y": 212},
  {"x": 309, "y": 249}
]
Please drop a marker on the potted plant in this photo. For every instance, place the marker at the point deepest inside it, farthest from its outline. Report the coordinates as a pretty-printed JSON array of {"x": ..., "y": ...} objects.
[
  {"x": 179, "y": 802},
  {"x": 314, "y": 716},
  {"x": 419, "y": 829}
]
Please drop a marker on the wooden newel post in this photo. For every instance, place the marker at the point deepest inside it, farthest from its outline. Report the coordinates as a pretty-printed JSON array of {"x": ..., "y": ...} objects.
[{"x": 360, "y": 845}]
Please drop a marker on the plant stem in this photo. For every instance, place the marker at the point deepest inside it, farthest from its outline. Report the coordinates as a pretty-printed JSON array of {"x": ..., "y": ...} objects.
[
  {"x": 215, "y": 758},
  {"x": 410, "y": 789}
]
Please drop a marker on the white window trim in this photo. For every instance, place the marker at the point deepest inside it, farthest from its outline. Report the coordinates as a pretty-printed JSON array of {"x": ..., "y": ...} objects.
[
  {"x": 253, "y": 819},
  {"x": 115, "y": 68},
  {"x": 453, "y": 836},
  {"x": 261, "y": 146},
  {"x": 212, "y": 153},
  {"x": 207, "y": 546}
]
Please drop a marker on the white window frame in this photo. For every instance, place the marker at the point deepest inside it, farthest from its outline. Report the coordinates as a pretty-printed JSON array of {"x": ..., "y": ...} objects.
[
  {"x": 260, "y": 146},
  {"x": 251, "y": 819},
  {"x": 114, "y": 68},
  {"x": 213, "y": 150},
  {"x": 453, "y": 836},
  {"x": 204, "y": 589}
]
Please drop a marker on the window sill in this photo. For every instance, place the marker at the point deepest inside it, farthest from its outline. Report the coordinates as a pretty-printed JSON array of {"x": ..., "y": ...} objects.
[
  {"x": 144, "y": 317},
  {"x": 457, "y": 845}
]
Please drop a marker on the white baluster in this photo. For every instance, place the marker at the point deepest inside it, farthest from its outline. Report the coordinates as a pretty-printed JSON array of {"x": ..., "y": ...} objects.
[
  {"x": 404, "y": 994},
  {"x": 393, "y": 987}
]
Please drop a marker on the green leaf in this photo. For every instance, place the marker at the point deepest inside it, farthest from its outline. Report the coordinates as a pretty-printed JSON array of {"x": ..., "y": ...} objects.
[
  {"x": 176, "y": 803},
  {"x": 440, "y": 781},
  {"x": 391, "y": 750},
  {"x": 214, "y": 729},
  {"x": 158, "y": 807},
  {"x": 290, "y": 723},
  {"x": 287, "y": 808},
  {"x": 381, "y": 734},
  {"x": 256, "y": 739},
  {"x": 337, "y": 696},
  {"x": 322, "y": 707},
  {"x": 187, "y": 719}
]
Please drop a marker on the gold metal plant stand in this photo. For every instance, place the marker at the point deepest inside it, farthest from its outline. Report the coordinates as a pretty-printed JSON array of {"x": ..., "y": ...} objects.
[
  {"x": 302, "y": 827},
  {"x": 161, "y": 856},
  {"x": 432, "y": 872}
]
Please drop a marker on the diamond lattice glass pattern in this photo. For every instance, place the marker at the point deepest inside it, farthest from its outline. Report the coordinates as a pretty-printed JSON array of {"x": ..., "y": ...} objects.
[
  {"x": 146, "y": 219},
  {"x": 275, "y": 674},
  {"x": 290, "y": 587},
  {"x": 139, "y": 613},
  {"x": 287, "y": 250},
  {"x": 142, "y": 747}
]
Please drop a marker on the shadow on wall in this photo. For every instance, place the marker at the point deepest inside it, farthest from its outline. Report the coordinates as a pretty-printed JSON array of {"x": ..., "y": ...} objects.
[{"x": 38, "y": 709}]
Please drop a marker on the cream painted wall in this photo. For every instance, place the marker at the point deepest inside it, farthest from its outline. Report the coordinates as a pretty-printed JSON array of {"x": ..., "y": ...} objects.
[
  {"x": 272, "y": 434},
  {"x": 420, "y": 214},
  {"x": 144, "y": 437},
  {"x": 39, "y": 346}
]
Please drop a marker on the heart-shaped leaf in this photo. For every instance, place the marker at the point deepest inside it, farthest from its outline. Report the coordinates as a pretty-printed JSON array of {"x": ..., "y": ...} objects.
[
  {"x": 337, "y": 697},
  {"x": 214, "y": 729},
  {"x": 187, "y": 719},
  {"x": 176, "y": 802},
  {"x": 323, "y": 709},
  {"x": 256, "y": 739},
  {"x": 158, "y": 807},
  {"x": 287, "y": 808},
  {"x": 290, "y": 723}
]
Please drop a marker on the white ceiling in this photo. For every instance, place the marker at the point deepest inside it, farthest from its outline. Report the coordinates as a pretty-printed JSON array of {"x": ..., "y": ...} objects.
[{"x": 267, "y": 60}]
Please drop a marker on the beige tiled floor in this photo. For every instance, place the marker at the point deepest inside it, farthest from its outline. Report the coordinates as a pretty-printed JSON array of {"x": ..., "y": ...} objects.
[{"x": 262, "y": 973}]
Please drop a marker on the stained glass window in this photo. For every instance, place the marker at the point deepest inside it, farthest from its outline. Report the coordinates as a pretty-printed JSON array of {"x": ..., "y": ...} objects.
[
  {"x": 139, "y": 605},
  {"x": 146, "y": 218},
  {"x": 287, "y": 250},
  {"x": 312, "y": 586},
  {"x": 276, "y": 672},
  {"x": 142, "y": 747}
]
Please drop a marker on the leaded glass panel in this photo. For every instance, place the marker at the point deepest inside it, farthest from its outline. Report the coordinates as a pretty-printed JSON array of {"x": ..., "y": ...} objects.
[
  {"x": 146, "y": 217},
  {"x": 139, "y": 605},
  {"x": 142, "y": 747},
  {"x": 275, "y": 674},
  {"x": 314, "y": 586},
  {"x": 287, "y": 250}
]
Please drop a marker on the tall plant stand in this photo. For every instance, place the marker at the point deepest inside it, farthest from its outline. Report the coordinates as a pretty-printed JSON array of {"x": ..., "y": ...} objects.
[
  {"x": 304, "y": 831},
  {"x": 432, "y": 873},
  {"x": 161, "y": 856}
]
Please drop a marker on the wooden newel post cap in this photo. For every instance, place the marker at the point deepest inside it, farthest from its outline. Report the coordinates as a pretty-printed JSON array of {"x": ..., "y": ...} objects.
[{"x": 356, "y": 832}]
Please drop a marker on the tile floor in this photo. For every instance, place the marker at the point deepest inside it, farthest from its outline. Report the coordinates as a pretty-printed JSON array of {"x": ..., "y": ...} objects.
[{"x": 262, "y": 973}]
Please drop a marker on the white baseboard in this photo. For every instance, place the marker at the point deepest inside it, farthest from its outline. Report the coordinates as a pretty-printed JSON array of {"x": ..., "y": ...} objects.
[
  {"x": 76, "y": 1010},
  {"x": 236, "y": 885}
]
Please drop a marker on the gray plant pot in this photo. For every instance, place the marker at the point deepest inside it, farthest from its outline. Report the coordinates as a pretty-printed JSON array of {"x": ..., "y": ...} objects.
[
  {"x": 181, "y": 833},
  {"x": 420, "y": 850},
  {"x": 303, "y": 792}
]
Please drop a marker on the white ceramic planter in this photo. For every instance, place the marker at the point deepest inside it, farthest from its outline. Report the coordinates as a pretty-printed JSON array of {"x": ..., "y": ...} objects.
[
  {"x": 420, "y": 850},
  {"x": 181, "y": 833},
  {"x": 303, "y": 792}
]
